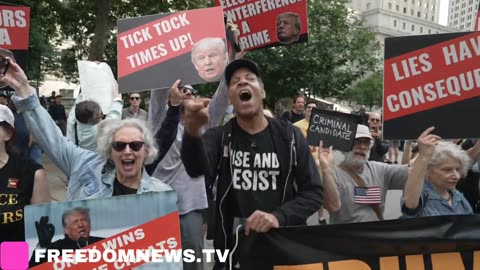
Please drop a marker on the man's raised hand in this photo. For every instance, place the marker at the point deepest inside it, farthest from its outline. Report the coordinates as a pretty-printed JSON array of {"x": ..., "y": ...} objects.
[{"x": 195, "y": 115}]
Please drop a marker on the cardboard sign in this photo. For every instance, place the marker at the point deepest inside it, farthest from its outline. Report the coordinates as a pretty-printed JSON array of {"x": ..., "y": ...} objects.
[
  {"x": 97, "y": 83},
  {"x": 115, "y": 223},
  {"x": 333, "y": 128},
  {"x": 431, "y": 80},
  {"x": 154, "y": 51},
  {"x": 14, "y": 32},
  {"x": 265, "y": 24}
]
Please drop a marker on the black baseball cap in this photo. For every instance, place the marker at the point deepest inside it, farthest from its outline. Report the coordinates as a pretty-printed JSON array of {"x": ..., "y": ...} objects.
[{"x": 240, "y": 63}]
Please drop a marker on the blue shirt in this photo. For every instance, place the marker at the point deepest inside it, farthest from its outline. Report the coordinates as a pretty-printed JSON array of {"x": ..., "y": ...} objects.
[{"x": 433, "y": 204}]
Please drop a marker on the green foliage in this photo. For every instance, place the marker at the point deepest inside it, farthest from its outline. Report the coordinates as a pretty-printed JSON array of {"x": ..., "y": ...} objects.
[
  {"x": 339, "y": 52},
  {"x": 369, "y": 91}
]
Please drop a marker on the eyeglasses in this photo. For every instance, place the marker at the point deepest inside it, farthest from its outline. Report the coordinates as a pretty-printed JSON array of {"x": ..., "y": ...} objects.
[
  {"x": 375, "y": 120},
  {"x": 120, "y": 146},
  {"x": 134, "y": 98},
  {"x": 4, "y": 64}
]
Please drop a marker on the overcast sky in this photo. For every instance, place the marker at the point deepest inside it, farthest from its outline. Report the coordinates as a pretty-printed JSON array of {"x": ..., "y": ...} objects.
[{"x": 443, "y": 12}]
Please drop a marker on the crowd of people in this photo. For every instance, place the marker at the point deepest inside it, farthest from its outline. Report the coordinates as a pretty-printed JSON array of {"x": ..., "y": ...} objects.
[{"x": 254, "y": 171}]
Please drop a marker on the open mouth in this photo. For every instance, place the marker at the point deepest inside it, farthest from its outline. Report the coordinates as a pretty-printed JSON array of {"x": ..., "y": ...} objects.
[
  {"x": 128, "y": 163},
  {"x": 360, "y": 154},
  {"x": 245, "y": 96}
]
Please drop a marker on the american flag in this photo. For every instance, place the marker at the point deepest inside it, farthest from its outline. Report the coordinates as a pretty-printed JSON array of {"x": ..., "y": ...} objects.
[{"x": 368, "y": 195}]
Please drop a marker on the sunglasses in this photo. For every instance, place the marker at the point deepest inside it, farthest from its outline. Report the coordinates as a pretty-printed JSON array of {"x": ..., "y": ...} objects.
[
  {"x": 120, "y": 146},
  {"x": 4, "y": 64},
  {"x": 184, "y": 90},
  {"x": 134, "y": 98},
  {"x": 375, "y": 120}
]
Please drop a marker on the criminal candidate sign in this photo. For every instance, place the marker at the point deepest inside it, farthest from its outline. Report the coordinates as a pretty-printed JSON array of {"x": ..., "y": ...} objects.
[
  {"x": 431, "y": 80},
  {"x": 156, "y": 50},
  {"x": 267, "y": 23},
  {"x": 333, "y": 128}
]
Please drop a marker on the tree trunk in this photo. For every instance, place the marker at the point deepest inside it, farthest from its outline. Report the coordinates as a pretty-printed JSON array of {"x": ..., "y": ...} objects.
[{"x": 99, "y": 40}]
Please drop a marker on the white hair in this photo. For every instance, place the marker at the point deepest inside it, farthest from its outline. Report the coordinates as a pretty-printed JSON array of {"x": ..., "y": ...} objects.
[
  {"x": 106, "y": 130},
  {"x": 448, "y": 149}
]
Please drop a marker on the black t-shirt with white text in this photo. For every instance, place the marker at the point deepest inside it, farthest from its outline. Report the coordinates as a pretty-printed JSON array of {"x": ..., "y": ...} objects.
[
  {"x": 255, "y": 173},
  {"x": 16, "y": 189}
]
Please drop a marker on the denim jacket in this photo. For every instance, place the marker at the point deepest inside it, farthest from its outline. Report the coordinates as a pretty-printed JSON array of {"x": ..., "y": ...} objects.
[
  {"x": 91, "y": 176},
  {"x": 432, "y": 204}
]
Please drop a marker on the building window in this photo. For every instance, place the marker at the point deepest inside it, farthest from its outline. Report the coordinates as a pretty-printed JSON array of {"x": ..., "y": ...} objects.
[
  {"x": 421, "y": 30},
  {"x": 389, "y": 5},
  {"x": 461, "y": 27},
  {"x": 469, "y": 25},
  {"x": 411, "y": 12},
  {"x": 419, "y": 14},
  {"x": 405, "y": 10},
  {"x": 368, "y": 5},
  {"x": 413, "y": 27},
  {"x": 397, "y": 8},
  {"x": 433, "y": 18},
  {"x": 404, "y": 26},
  {"x": 394, "y": 23},
  {"x": 429, "y": 31}
]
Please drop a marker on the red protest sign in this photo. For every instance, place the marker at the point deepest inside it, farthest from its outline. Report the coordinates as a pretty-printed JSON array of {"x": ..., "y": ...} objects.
[
  {"x": 141, "y": 237},
  {"x": 14, "y": 27},
  {"x": 155, "y": 50},
  {"x": 267, "y": 23},
  {"x": 431, "y": 80}
]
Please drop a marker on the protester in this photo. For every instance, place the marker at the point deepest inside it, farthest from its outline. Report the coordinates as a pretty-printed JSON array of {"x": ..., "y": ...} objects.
[
  {"x": 88, "y": 115},
  {"x": 22, "y": 182},
  {"x": 430, "y": 188},
  {"x": 380, "y": 147},
  {"x": 209, "y": 56},
  {"x": 58, "y": 114},
  {"x": 134, "y": 110},
  {"x": 361, "y": 185},
  {"x": 251, "y": 146},
  {"x": 124, "y": 147},
  {"x": 288, "y": 27},
  {"x": 76, "y": 226},
  {"x": 192, "y": 195},
  {"x": 296, "y": 114}
]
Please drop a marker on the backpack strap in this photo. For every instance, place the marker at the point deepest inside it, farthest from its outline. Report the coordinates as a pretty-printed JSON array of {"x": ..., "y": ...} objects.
[
  {"x": 76, "y": 133},
  {"x": 361, "y": 183}
]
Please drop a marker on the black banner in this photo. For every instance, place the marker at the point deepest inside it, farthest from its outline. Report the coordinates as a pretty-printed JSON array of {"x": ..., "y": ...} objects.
[{"x": 430, "y": 243}]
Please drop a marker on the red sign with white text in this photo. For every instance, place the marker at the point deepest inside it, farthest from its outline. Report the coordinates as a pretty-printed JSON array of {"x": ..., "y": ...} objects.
[
  {"x": 267, "y": 23},
  {"x": 162, "y": 234},
  {"x": 14, "y": 27},
  {"x": 425, "y": 80},
  {"x": 154, "y": 50}
]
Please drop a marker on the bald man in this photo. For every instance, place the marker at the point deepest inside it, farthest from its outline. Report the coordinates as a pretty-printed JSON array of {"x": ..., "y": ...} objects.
[{"x": 209, "y": 56}]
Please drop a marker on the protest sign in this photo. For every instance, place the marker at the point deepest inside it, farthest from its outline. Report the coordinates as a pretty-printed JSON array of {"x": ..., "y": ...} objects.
[
  {"x": 267, "y": 23},
  {"x": 14, "y": 32},
  {"x": 333, "y": 128},
  {"x": 97, "y": 83},
  {"x": 434, "y": 243},
  {"x": 431, "y": 80},
  {"x": 154, "y": 51},
  {"x": 113, "y": 223}
]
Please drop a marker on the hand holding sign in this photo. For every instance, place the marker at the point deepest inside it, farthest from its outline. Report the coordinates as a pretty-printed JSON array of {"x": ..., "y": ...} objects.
[
  {"x": 175, "y": 95},
  {"x": 260, "y": 222},
  {"x": 426, "y": 143},
  {"x": 16, "y": 78}
]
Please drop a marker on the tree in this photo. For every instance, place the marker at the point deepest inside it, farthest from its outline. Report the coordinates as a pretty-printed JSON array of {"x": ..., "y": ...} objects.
[
  {"x": 368, "y": 91},
  {"x": 339, "y": 52}
]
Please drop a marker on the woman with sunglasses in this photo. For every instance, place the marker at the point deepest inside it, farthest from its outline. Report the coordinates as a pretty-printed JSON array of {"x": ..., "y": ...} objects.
[
  {"x": 22, "y": 181},
  {"x": 124, "y": 148}
]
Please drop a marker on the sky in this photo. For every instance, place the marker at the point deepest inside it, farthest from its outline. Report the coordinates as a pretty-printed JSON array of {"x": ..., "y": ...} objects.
[{"x": 443, "y": 12}]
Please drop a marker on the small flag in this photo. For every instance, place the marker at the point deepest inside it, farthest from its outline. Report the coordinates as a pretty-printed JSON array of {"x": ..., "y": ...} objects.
[
  {"x": 12, "y": 183},
  {"x": 368, "y": 195}
]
